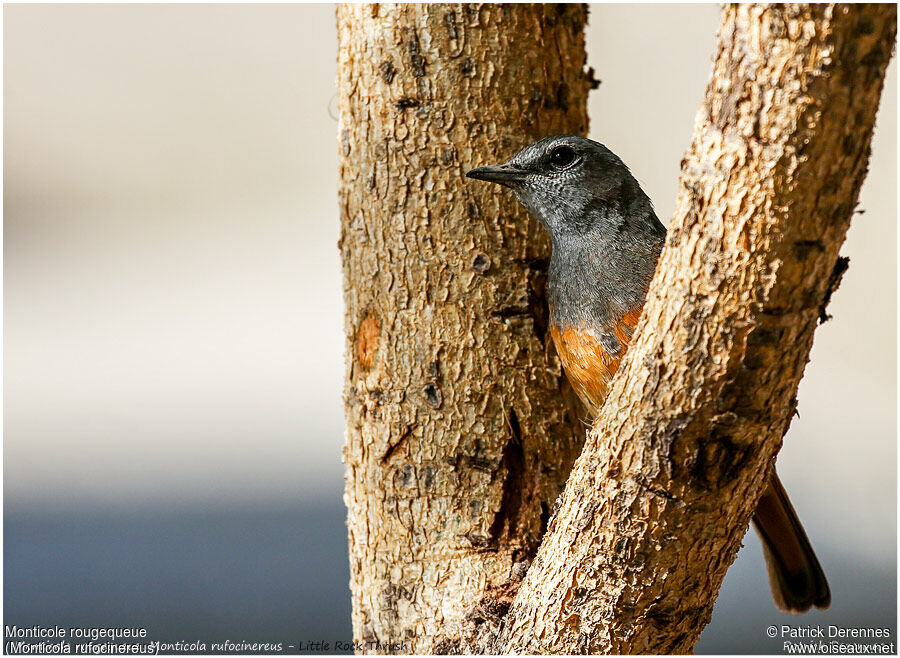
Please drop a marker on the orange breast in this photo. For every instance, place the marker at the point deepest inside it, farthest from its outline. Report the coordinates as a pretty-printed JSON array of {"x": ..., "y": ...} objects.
[{"x": 588, "y": 364}]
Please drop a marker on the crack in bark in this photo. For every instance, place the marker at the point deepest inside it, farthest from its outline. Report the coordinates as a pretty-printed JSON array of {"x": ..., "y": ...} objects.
[{"x": 513, "y": 462}]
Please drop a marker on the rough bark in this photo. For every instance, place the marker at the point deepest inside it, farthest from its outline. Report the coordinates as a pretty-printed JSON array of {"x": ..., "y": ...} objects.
[
  {"x": 460, "y": 431},
  {"x": 656, "y": 506}
]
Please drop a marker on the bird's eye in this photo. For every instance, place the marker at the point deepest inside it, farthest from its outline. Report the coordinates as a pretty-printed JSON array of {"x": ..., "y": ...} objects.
[{"x": 562, "y": 156}]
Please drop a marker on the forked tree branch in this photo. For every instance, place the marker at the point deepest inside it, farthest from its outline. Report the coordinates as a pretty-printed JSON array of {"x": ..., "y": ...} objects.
[{"x": 656, "y": 506}]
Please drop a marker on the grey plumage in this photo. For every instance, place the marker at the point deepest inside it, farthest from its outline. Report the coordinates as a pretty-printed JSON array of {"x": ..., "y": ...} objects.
[{"x": 606, "y": 236}]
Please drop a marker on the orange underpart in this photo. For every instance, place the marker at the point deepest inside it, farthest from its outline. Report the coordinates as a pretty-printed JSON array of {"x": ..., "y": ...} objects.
[
  {"x": 589, "y": 367},
  {"x": 624, "y": 329}
]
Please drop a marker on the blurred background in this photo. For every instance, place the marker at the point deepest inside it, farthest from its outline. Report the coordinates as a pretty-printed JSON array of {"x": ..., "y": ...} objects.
[{"x": 173, "y": 349}]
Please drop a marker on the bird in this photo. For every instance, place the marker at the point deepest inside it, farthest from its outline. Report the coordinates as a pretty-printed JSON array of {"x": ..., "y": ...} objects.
[{"x": 606, "y": 241}]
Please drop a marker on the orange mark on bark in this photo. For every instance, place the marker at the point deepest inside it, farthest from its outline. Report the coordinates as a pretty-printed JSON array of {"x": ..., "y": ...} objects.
[{"x": 367, "y": 341}]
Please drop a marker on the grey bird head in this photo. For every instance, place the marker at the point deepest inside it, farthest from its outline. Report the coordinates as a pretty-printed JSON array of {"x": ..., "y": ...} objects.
[
  {"x": 606, "y": 237},
  {"x": 575, "y": 187}
]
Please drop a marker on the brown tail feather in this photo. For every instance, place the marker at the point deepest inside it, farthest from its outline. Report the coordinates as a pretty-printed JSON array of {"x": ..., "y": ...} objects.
[{"x": 795, "y": 576}]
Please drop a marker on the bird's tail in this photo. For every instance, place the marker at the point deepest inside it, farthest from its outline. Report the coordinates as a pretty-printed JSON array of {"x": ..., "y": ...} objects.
[{"x": 795, "y": 576}]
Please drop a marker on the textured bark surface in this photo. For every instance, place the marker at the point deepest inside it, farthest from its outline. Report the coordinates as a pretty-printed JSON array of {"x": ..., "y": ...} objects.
[
  {"x": 460, "y": 430},
  {"x": 658, "y": 502}
]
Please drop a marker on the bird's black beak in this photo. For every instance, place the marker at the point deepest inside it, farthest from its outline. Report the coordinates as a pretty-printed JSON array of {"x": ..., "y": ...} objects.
[{"x": 503, "y": 174}]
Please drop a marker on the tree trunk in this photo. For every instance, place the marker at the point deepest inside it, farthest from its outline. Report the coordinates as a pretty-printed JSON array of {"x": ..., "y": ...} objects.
[
  {"x": 460, "y": 429},
  {"x": 656, "y": 506}
]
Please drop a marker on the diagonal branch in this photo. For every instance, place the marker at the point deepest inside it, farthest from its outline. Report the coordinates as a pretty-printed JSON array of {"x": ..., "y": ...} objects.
[{"x": 656, "y": 506}]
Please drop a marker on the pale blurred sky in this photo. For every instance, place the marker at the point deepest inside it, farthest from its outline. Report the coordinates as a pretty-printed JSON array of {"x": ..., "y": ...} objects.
[{"x": 172, "y": 286}]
